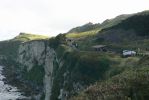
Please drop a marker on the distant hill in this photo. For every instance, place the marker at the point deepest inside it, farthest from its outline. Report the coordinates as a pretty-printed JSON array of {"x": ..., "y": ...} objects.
[
  {"x": 91, "y": 29},
  {"x": 107, "y": 23},
  {"x": 139, "y": 22},
  {"x": 123, "y": 31},
  {"x": 132, "y": 31},
  {"x": 114, "y": 21},
  {"x": 87, "y": 27}
]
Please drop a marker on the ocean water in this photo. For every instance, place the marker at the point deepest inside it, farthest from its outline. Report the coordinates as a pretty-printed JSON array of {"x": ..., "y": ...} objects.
[{"x": 8, "y": 92}]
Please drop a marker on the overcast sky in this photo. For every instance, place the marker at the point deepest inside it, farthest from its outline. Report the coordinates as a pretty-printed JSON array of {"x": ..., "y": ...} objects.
[{"x": 50, "y": 17}]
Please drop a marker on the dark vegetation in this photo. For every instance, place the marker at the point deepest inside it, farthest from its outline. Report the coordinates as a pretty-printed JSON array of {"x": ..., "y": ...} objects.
[
  {"x": 56, "y": 41},
  {"x": 139, "y": 22},
  {"x": 114, "y": 21},
  {"x": 35, "y": 75},
  {"x": 9, "y": 48},
  {"x": 79, "y": 67},
  {"x": 128, "y": 85}
]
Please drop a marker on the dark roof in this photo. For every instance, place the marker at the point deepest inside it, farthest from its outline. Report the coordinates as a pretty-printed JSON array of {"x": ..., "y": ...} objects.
[{"x": 98, "y": 46}]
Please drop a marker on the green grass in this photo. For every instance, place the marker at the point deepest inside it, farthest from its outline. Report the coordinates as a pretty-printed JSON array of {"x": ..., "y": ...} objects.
[
  {"x": 130, "y": 84},
  {"x": 114, "y": 21},
  {"x": 28, "y": 37},
  {"x": 9, "y": 48},
  {"x": 83, "y": 34},
  {"x": 81, "y": 67},
  {"x": 87, "y": 67},
  {"x": 35, "y": 75}
]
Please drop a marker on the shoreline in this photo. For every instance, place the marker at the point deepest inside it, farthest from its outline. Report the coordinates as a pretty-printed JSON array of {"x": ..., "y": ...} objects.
[
  {"x": 13, "y": 78},
  {"x": 8, "y": 91}
]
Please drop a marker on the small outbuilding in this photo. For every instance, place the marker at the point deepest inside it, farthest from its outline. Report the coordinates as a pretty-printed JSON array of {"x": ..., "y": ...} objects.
[{"x": 100, "y": 48}]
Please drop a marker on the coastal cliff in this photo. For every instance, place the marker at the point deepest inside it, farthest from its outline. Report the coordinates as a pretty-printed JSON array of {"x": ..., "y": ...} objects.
[{"x": 36, "y": 54}]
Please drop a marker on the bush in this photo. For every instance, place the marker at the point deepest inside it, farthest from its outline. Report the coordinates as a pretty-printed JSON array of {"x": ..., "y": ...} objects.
[
  {"x": 55, "y": 42},
  {"x": 36, "y": 75}
]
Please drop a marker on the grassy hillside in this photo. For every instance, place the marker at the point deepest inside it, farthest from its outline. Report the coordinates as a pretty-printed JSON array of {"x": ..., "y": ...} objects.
[
  {"x": 28, "y": 37},
  {"x": 126, "y": 78},
  {"x": 131, "y": 84},
  {"x": 83, "y": 34},
  {"x": 86, "y": 68},
  {"x": 78, "y": 68},
  {"x": 87, "y": 27},
  {"x": 114, "y": 21},
  {"x": 138, "y": 22},
  {"x": 123, "y": 32},
  {"x": 91, "y": 29}
]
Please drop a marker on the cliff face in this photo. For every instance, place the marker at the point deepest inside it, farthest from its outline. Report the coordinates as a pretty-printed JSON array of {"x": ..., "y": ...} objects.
[
  {"x": 61, "y": 73},
  {"x": 56, "y": 76},
  {"x": 38, "y": 53}
]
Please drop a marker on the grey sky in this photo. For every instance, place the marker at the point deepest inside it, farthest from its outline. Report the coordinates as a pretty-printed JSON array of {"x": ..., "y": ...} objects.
[{"x": 50, "y": 17}]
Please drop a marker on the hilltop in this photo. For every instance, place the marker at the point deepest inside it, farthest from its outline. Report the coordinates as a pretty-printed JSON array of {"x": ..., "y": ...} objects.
[
  {"x": 90, "y": 29},
  {"x": 29, "y": 37},
  {"x": 10, "y": 47}
]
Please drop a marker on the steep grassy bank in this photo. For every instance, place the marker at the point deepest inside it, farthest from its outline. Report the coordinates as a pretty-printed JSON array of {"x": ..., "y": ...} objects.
[
  {"x": 131, "y": 84},
  {"x": 75, "y": 71}
]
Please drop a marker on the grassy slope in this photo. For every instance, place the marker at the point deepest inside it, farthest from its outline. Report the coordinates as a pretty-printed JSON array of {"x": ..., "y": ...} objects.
[
  {"x": 88, "y": 67},
  {"x": 87, "y": 27},
  {"x": 139, "y": 22},
  {"x": 125, "y": 74},
  {"x": 89, "y": 38},
  {"x": 114, "y": 21},
  {"x": 83, "y": 34},
  {"x": 91, "y": 30},
  {"x": 131, "y": 33},
  {"x": 131, "y": 84},
  {"x": 28, "y": 37},
  {"x": 122, "y": 32},
  {"x": 79, "y": 67}
]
